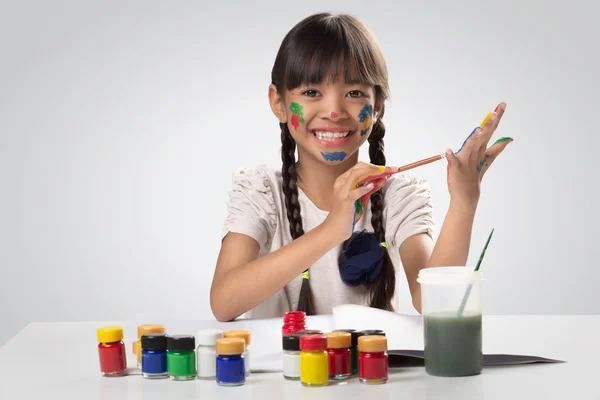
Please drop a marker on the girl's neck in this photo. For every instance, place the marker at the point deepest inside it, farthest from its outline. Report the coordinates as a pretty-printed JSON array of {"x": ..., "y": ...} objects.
[{"x": 316, "y": 179}]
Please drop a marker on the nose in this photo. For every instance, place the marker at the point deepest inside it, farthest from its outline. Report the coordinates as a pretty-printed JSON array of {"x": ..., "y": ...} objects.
[{"x": 334, "y": 111}]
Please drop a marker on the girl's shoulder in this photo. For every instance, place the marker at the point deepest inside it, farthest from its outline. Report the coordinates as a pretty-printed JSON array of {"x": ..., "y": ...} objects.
[{"x": 260, "y": 179}]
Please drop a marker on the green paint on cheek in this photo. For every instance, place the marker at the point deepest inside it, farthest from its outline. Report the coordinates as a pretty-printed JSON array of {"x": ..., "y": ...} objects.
[{"x": 502, "y": 139}]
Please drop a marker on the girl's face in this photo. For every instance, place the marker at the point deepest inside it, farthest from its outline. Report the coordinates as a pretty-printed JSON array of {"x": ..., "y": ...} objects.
[{"x": 329, "y": 121}]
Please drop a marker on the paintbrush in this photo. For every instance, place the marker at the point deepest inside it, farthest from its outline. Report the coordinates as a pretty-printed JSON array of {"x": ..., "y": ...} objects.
[{"x": 466, "y": 297}]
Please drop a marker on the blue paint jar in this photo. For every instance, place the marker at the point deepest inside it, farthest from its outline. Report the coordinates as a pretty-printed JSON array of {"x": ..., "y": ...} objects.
[
  {"x": 231, "y": 363},
  {"x": 154, "y": 356}
]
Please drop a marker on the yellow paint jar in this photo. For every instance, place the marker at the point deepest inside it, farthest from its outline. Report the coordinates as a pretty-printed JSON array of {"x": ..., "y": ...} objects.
[{"x": 314, "y": 366}]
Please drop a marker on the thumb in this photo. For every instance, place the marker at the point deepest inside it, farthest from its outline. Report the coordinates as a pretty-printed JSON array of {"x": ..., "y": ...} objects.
[
  {"x": 361, "y": 191},
  {"x": 450, "y": 157}
]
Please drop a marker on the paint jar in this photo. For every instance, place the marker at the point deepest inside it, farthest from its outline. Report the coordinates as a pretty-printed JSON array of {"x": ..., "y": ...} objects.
[
  {"x": 293, "y": 321},
  {"x": 246, "y": 336},
  {"x": 452, "y": 321},
  {"x": 142, "y": 330},
  {"x": 154, "y": 356},
  {"x": 291, "y": 356},
  {"x": 230, "y": 361},
  {"x": 372, "y": 359},
  {"x": 353, "y": 347},
  {"x": 206, "y": 353},
  {"x": 111, "y": 351},
  {"x": 339, "y": 355},
  {"x": 181, "y": 357},
  {"x": 314, "y": 365}
]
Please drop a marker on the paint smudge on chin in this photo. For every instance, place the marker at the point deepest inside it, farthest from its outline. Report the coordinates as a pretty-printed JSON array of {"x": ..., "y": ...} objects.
[
  {"x": 334, "y": 156},
  {"x": 298, "y": 116},
  {"x": 366, "y": 118}
]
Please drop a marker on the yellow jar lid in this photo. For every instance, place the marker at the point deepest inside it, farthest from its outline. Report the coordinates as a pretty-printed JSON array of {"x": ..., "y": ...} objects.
[
  {"x": 230, "y": 346},
  {"x": 238, "y": 334},
  {"x": 150, "y": 328},
  {"x": 107, "y": 334},
  {"x": 372, "y": 344},
  {"x": 339, "y": 340}
]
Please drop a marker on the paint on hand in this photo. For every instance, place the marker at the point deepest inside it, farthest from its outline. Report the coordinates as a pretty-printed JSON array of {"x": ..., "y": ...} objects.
[
  {"x": 334, "y": 115},
  {"x": 298, "y": 116},
  {"x": 448, "y": 173},
  {"x": 366, "y": 118},
  {"x": 481, "y": 163},
  {"x": 465, "y": 142},
  {"x": 502, "y": 139},
  {"x": 334, "y": 156}
]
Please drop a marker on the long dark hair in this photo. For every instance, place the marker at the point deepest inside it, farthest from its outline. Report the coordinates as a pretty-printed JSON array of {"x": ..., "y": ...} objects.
[{"x": 324, "y": 47}]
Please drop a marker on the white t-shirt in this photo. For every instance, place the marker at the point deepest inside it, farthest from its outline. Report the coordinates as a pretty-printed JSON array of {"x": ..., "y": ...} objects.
[{"x": 256, "y": 208}]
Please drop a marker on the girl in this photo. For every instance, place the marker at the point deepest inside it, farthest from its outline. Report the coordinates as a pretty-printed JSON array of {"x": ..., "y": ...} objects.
[{"x": 291, "y": 239}]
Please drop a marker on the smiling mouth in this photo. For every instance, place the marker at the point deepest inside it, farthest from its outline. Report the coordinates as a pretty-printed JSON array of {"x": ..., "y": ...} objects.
[{"x": 327, "y": 136}]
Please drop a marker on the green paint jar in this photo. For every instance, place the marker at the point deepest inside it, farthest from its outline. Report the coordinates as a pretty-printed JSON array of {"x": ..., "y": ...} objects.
[{"x": 181, "y": 357}]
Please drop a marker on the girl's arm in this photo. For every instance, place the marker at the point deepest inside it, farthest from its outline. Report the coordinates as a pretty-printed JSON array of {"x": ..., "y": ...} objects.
[
  {"x": 451, "y": 248},
  {"x": 242, "y": 280},
  {"x": 466, "y": 169}
]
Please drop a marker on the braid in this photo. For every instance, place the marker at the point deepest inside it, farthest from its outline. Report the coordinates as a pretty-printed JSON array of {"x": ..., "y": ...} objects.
[
  {"x": 290, "y": 191},
  {"x": 382, "y": 290}
]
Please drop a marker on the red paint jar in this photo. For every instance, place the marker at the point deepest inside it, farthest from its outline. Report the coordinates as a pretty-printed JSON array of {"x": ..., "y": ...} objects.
[
  {"x": 111, "y": 351},
  {"x": 293, "y": 321},
  {"x": 372, "y": 359},
  {"x": 339, "y": 355}
]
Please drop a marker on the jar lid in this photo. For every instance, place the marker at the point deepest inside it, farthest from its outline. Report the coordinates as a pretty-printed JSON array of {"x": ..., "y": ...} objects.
[
  {"x": 313, "y": 342},
  {"x": 150, "y": 328},
  {"x": 294, "y": 316},
  {"x": 353, "y": 333},
  {"x": 339, "y": 340},
  {"x": 371, "y": 332},
  {"x": 372, "y": 344},
  {"x": 291, "y": 342},
  {"x": 154, "y": 341},
  {"x": 310, "y": 332},
  {"x": 181, "y": 343},
  {"x": 208, "y": 337},
  {"x": 238, "y": 334},
  {"x": 230, "y": 346},
  {"x": 108, "y": 334}
]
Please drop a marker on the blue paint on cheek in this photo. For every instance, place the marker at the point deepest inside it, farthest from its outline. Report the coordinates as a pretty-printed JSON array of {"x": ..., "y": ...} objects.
[
  {"x": 363, "y": 132},
  {"x": 334, "y": 156}
]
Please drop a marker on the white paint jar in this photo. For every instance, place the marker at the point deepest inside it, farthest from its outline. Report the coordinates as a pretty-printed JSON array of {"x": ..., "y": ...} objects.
[
  {"x": 291, "y": 357},
  {"x": 206, "y": 353}
]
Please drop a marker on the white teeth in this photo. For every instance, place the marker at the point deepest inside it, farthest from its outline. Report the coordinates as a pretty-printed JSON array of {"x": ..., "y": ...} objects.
[{"x": 321, "y": 135}]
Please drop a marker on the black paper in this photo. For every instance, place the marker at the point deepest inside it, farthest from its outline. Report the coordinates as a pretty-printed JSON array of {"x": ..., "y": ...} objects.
[{"x": 415, "y": 358}]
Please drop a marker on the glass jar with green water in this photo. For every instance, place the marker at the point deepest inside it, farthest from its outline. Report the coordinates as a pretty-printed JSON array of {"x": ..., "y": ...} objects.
[
  {"x": 181, "y": 357},
  {"x": 452, "y": 322}
]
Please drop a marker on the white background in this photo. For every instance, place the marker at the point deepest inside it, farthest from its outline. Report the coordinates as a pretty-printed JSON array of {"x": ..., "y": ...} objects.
[{"x": 113, "y": 196}]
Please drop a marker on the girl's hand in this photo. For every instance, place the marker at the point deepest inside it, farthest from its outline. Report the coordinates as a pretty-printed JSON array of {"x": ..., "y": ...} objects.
[
  {"x": 469, "y": 164},
  {"x": 340, "y": 220}
]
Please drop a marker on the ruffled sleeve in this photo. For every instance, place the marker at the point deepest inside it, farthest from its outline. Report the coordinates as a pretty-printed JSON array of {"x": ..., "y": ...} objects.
[
  {"x": 251, "y": 208},
  {"x": 409, "y": 209}
]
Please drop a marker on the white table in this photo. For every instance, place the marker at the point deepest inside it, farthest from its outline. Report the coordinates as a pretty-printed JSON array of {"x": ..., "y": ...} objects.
[{"x": 59, "y": 360}]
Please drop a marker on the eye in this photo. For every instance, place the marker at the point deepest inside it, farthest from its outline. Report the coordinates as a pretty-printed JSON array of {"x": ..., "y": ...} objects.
[
  {"x": 310, "y": 93},
  {"x": 355, "y": 93}
]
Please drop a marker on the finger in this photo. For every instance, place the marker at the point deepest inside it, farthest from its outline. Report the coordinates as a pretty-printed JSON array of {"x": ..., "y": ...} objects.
[
  {"x": 494, "y": 151},
  {"x": 361, "y": 191},
  {"x": 500, "y": 108},
  {"x": 360, "y": 174},
  {"x": 468, "y": 143}
]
